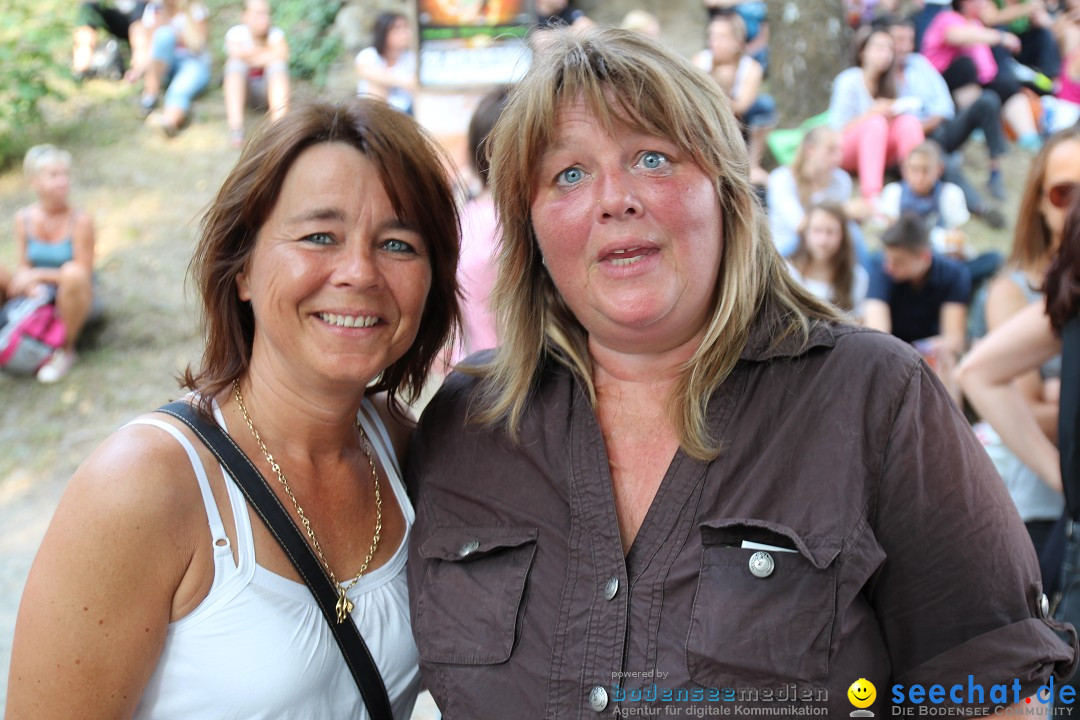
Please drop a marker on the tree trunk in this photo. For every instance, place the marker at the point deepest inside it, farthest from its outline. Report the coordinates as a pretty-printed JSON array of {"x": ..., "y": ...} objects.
[{"x": 808, "y": 45}]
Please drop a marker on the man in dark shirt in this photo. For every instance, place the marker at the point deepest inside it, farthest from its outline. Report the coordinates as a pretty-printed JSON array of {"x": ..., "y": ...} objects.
[
  {"x": 916, "y": 294},
  {"x": 919, "y": 296}
]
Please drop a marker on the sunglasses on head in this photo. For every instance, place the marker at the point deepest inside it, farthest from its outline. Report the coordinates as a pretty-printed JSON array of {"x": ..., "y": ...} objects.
[{"x": 1061, "y": 195}]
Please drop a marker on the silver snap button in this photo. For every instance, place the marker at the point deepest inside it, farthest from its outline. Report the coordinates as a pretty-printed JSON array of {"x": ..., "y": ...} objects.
[
  {"x": 761, "y": 564},
  {"x": 469, "y": 548},
  {"x": 1044, "y": 605},
  {"x": 612, "y": 588},
  {"x": 598, "y": 699}
]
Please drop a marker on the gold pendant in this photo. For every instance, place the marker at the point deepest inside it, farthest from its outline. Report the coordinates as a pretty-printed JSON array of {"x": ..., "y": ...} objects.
[{"x": 344, "y": 606}]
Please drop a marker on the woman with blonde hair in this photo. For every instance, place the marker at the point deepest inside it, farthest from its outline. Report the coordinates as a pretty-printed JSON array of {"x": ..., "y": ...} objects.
[
  {"x": 679, "y": 472},
  {"x": 54, "y": 241},
  {"x": 814, "y": 176}
]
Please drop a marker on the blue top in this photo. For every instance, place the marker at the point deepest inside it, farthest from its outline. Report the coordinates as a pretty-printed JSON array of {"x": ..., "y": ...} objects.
[
  {"x": 44, "y": 254},
  {"x": 916, "y": 311}
]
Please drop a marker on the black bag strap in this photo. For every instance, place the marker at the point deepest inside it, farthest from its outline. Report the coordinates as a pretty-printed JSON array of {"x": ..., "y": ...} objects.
[{"x": 277, "y": 520}]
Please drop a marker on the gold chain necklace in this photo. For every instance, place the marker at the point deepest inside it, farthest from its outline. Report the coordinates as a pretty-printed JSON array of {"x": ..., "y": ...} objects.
[{"x": 344, "y": 606}]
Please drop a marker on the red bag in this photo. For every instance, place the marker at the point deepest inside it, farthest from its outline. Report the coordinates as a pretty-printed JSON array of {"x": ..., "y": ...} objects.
[{"x": 32, "y": 333}]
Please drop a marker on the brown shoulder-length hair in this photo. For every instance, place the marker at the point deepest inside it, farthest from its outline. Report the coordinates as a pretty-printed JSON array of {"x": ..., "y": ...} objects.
[
  {"x": 628, "y": 80},
  {"x": 842, "y": 263},
  {"x": 413, "y": 170},
  {"x": 886, "y": 82},
  {"x": 1063, "y": 277},
  {"x": 1032, "y": 243}
]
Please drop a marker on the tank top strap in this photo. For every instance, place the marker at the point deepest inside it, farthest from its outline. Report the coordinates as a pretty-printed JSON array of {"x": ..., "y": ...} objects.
[
  {"x": 1031, "y": 294},
  {"x": 245, "y": 541},
  {"x": 375, "y": 429},
  {"x": 217, "y": 528}
]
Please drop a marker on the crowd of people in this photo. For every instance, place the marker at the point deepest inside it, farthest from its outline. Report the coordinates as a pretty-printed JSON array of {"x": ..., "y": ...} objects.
[{"x": 670, "y": 439}]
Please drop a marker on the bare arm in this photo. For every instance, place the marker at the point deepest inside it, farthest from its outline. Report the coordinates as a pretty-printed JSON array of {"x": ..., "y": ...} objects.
[
  {"x": 992, "y": 15},
  {"x": 968, "y": 35},
  {"x": 198, "y": 28},
  {"x": 98, "y": 600},
  {"x": 275, "y": 50},
  {"x": 986, "y": 375},
  {"x": 82, "y": 242},
  {"x": 1004, "y": 300},
  {"x": 749, "y": 89},
  {"x": 876, "y": 315},
  {"x": 27, "y": 279}
]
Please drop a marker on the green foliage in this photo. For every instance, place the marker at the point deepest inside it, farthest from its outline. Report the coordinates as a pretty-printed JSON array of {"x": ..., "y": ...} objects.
[
  {"x": 312, "y": 48},
  {"x": 35, "y": 39}
]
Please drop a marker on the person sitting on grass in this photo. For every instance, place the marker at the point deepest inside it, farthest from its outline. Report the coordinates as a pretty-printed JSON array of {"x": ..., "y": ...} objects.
[
  {"x": 949, "y": 126},
  {"x": 739, "y": 77},
  {"x": 387, "y": 69},
  {"x": 118, "y": 20},
  {"x": 257, "y": 68},
  {"x": 941, "y": 205},
  {"x": 920, "y": 296},
  {"x": 877, "y": 129},
  {"x": 179, "y": 62},
  {"x": 55, "y": 245},
  {"x": 814, "y": 176},
  {"x": 824, "y": 260}
]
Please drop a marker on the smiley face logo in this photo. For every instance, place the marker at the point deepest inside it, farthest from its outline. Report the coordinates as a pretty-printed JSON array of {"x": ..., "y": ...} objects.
[{"x": 862, "y": 693}]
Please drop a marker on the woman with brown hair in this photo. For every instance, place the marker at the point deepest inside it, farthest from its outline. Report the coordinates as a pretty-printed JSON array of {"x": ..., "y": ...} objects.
[
  {"x": 824, "y": 260},
  {"x": 1019, "y": 347},
  {"x": 326, "y": 271},
  {"x": 877, "y": 129},
  {"x": 1040, "y": 224}
]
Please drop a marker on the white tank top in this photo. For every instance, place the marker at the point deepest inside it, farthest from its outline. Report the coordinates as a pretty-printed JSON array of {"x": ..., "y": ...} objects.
[{"x": 258, "y": 646}]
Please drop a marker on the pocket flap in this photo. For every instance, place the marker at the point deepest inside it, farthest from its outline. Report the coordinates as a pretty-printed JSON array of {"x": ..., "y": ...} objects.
[
  {"x": 820, "y": 551},
  {"x": 457, "y": 544}
]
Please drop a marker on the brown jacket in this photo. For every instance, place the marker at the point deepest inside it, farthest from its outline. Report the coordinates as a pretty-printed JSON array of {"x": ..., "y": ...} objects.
[{"x": 894, "y": 552}]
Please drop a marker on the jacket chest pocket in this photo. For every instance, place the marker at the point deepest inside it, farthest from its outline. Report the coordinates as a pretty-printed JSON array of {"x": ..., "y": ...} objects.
[
  {"x": 471, "y": 598},
  {"x": 764, "y": 607}
]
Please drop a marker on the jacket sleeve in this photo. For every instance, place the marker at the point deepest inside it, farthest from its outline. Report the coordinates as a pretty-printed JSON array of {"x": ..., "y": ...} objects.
[{"x": 960, "y": 590}]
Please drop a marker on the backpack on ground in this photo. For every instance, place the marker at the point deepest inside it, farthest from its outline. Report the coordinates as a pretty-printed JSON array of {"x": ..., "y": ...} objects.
[{"x": 33, "y": 331}]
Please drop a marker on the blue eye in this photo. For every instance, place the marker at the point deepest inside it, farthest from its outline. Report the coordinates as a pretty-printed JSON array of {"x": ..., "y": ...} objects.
[
  {"x": 398, "y": 246},
  {"x": 570, "y": 176},
  {"x": 653, "y": 160},
  {"x": 319, "y": 238}
]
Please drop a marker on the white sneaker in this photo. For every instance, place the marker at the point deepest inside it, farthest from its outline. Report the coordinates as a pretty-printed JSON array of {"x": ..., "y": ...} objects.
[{"x": 57, "y": 366}]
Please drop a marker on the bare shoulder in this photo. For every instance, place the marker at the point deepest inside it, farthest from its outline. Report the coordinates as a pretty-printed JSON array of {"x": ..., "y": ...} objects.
[
  {"x": 1004, "y": 298},
  {"x": 399, "y": 426},
  {"x": 83, "y": 218},
  {"x": 126, "y": 527},
  {"x": 139, "y": 473}
]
